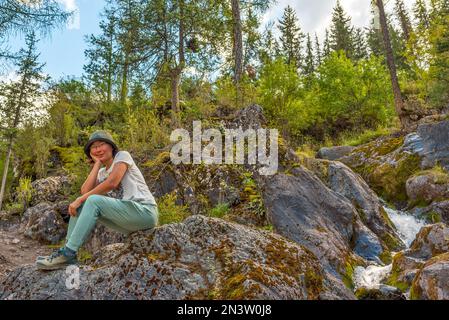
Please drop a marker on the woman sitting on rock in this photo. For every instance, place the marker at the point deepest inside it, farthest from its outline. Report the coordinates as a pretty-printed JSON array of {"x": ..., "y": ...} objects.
[{"x": 115, "y": 195}]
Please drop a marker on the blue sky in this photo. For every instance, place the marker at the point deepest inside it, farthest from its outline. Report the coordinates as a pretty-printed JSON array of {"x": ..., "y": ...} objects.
[{"x": 63, "y": 52}]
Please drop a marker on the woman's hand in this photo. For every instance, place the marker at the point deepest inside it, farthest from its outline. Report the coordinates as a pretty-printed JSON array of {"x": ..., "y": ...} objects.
[
  {"x": 94, "y": 159},
  {"x": 75, "y": 205}
]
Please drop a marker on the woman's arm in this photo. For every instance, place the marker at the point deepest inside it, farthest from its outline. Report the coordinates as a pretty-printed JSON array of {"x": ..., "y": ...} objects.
[
  {"x": 111, "y": 182},
  {"x": 91, "y": 181}
]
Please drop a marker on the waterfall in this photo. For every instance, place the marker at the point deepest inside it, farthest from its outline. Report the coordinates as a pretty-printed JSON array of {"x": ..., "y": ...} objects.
[{"x": 407, "y": 227}]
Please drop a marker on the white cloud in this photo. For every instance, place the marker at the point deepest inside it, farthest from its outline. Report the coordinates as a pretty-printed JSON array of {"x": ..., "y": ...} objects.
[
  {"x": 71, "y": 5},
  {"x": 11, "y": 76},
  {"x": 316, "y": 15}
]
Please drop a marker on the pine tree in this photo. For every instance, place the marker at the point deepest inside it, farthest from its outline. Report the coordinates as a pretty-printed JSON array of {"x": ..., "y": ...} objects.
[
  {"x": 326, "y": 45},
  {"x": 309, "y": 64},
  {"x": 404, "y": 19},
  {"x": 438, "y": 10},
  {"x": 291, "y": 37},
  {"x": 360, "y": 51},
  {"x": 20, "y": 98},
  {"x": 421, "y": 15},
  {"x": 375, "y": 41},
  {"x": 237, "y": 42},
  {"x": 130, "y": 39},
  {"x": 439, "y": 50},
  {"x": 318, "y": 54},
  {"x": 269, "y": 48},
  {"x": 341, "y": 35},
  {"x": 101, "y": 68},
  {"x": 19, "y": 17}
]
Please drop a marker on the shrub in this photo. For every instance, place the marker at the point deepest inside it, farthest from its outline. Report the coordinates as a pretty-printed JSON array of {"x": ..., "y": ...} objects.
[
  {"x": 169, "y": 211},
  {"x": 220, "y": 210}
]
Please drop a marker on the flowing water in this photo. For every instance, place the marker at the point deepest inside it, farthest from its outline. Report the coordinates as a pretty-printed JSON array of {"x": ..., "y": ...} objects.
[{"x": 407, "y": 227}]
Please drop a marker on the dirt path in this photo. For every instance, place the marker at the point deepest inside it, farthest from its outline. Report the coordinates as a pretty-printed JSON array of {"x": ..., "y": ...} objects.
[{"x": 15, "y": 249}]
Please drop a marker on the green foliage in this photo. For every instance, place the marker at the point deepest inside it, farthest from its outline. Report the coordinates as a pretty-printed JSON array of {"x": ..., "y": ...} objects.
[
  {"x": 219, "y": 211},
  {"x": 291, "y": 38},
  {"x": 356, "y": 139},
  {"x": 169, "y": 211},
  {"x": 24, "y": 192},
  {"x": 343, "y": 97},
  {"x": 73, "y": 162},
  {"x": 226, "y": 93},
  {"x": 32, "y": 158},
  {"x": 280, "y": 92},
  {"x": 143, "y": 132},
  {"x": 351, "y": 95}
]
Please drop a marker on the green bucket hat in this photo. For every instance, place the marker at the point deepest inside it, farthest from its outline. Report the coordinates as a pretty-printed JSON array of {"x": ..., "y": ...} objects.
[{"x": 100, "y": 135}]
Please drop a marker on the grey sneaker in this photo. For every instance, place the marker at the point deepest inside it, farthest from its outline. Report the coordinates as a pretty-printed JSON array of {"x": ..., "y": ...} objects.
[{"x": 57, "y": 260}]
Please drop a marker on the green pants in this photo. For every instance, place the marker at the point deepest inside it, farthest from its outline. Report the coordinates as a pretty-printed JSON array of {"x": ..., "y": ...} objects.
[{"x": 124, "y": 216}]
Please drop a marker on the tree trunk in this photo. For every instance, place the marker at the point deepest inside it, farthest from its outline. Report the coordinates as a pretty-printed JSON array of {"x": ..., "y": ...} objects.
[
  {"x": 237, "y": 43},
  {"x": 109, "y": 80},
  {"x": 5, "y": 172},
  {"x": 124, "y": 88},
  {"x": 176, "y": 71},
  {"x": 175, "y": 81},
  {"x": 237, "y": 47},
  {"x": 398, "y": 102}
]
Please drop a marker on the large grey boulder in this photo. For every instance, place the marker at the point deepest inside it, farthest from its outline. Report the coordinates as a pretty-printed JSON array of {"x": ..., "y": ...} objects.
[
  {"x": 334, "y": 153},
  {"x": 44, "y": 223},
  {"x": 201, "y": 258},
  {"x": 431, "y": 281},
  {"x": 301, "y": 208},
  {"x": 346, "y": 182},
  {"x": 374, "y": 230},
  {"x": 435, "y": 141},
  {"x": 431, "y": 240},
  {"x": 102, "y": 236},
  {"x": 51, "y": 189},
  {"x": 427, "y": 187}
]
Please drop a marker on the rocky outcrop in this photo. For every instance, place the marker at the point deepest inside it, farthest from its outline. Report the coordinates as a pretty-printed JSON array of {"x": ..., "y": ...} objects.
[
  {"x": 101, "y": 237},
  {"x": 435, "y": 137},
  {"x": 429, "y": 246},
  {"x": 428, "y": 187},
  {"x": 51, "y": 189},
  {"x": 325, "y": 222},
  {"x": 431, "y": 240},
  {"x": 382, "y": 292},
  {"x": 381, "y": 233},
  {"x": 387, "y": 163},
  {"x": 349, "y": 184},
  {"x": 201, "y": 258},
  {"x": 44, "y": 222},
  {"x": 334, "y": 153},
  {"x": 431, "y": 281}
]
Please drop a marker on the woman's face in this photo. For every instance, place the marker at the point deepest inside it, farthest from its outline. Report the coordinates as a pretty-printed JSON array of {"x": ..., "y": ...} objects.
[{"x": 101, "y": 150}]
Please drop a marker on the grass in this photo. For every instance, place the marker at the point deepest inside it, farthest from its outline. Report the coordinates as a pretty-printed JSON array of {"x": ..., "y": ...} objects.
[
  {"x": 219, "y": 211},
  {"x": 356, "y": 139}
]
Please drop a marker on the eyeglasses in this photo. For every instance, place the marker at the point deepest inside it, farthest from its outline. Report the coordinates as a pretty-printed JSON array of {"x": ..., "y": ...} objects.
[{"x": 93, "y": 147}]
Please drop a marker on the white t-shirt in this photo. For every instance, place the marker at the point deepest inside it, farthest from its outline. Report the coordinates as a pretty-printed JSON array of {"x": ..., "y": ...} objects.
[{"x": 132, "y": 186}]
